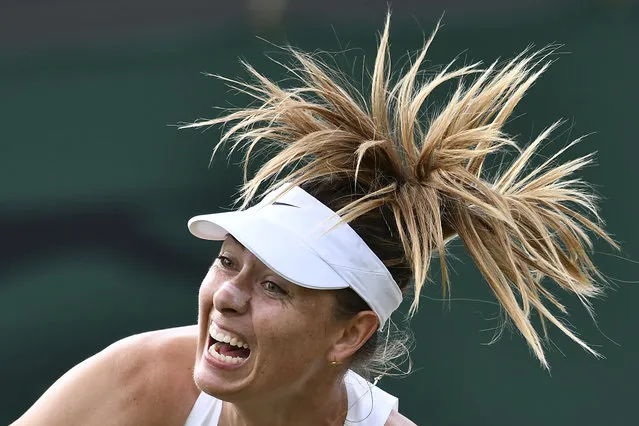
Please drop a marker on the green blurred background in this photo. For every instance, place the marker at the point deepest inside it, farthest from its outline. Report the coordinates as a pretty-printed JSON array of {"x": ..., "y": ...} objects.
[{"x": 96, "y": 186}]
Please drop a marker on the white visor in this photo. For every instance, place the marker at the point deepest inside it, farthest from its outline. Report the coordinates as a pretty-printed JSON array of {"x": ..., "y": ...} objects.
[{"x": 291, "y": 234}]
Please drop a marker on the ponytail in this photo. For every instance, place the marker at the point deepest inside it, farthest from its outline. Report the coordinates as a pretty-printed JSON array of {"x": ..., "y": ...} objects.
[{"x": 522, "y": 226}]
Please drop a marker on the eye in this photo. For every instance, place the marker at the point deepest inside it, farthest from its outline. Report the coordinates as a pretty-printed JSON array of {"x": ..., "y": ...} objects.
[
  {"x": 271, "y": 287},
  {"x": 224, "y": 261}
]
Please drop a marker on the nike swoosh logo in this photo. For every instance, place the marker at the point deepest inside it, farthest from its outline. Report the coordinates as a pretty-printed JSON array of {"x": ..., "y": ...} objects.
[{"x": 277, "y": 203}]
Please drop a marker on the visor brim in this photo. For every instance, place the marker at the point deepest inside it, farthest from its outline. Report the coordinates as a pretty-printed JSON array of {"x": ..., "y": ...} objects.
[{"x": 274, "y": 246}]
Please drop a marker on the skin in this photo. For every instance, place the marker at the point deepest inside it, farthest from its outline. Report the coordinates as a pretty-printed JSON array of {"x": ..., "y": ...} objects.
[
  {"x": 152, "y": 379},
  {"x": 142, "y": 380}
]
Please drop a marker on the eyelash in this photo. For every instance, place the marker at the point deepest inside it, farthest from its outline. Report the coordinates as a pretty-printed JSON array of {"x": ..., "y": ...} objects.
[
  {"x": 224, "y": 260},
  {"x": 279, "y": 290},
  {"x": 228, "y": 263}
]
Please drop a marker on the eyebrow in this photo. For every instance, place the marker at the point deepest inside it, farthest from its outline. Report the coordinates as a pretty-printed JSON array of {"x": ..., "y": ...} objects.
[{"x": 231, "y": 237}]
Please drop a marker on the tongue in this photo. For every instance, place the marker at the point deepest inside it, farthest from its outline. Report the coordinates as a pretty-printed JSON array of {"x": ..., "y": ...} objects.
[{"x": 229, "y": 350}]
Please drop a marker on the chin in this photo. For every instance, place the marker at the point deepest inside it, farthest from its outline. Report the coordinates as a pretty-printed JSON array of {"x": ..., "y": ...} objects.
[
  {"x": 213, "y": 384},
  {"x": 218, "y": 378}
]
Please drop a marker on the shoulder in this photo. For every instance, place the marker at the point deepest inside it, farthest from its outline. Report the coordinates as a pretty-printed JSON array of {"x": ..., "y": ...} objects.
[
  {"x": 155, "y": 355},
  {"x": 396, "y": 419},
  {"x": 160, "y": 361},
  {"x": 142, "y": 379}
]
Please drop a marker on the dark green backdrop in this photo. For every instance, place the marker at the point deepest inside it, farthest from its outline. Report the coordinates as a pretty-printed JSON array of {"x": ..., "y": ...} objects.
[{"x": 96, "y": 187}]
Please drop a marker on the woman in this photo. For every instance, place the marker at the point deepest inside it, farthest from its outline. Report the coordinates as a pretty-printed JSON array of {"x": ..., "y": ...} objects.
[{"x": 358, "y": 197}]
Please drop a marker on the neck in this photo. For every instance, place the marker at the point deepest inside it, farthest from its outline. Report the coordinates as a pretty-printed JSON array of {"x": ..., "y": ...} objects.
[{"x": 320, "y": 402}]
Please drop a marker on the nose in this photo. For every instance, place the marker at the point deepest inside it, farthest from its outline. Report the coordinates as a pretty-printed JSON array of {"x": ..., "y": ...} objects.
[{"x": 231, "y": 298}]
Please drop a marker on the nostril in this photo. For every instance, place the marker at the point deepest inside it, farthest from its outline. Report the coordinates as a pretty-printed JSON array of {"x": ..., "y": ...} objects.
[{"x": 228, "y": 311}]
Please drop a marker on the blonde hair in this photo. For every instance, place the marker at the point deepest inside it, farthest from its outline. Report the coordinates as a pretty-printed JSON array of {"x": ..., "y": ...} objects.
[{"x": 520, "y": 226}]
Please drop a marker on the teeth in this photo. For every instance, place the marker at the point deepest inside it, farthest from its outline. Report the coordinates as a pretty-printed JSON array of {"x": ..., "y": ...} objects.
[
  {"x": 213, "y": 350},
  {"x": 218, "y": 335}
]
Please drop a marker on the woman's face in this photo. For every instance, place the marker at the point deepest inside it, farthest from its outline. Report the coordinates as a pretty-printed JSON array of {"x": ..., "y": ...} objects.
[{"x": 289, "y": 329}]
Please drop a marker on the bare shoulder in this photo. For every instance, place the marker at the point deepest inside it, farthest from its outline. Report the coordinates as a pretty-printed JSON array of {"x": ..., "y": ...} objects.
[
  {"x": 142, "y": 379},
  {"x": 397, "y": 419},
  {"x": 154, "y": 351},
  {"x": 161, "y": 360}
]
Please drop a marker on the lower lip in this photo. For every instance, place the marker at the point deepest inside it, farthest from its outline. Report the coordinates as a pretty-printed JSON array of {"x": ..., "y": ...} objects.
[{"x": 211, "y": 360}]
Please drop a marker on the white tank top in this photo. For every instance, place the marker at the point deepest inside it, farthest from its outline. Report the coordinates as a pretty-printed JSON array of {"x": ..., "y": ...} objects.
[{"x": 368, "y": 405}]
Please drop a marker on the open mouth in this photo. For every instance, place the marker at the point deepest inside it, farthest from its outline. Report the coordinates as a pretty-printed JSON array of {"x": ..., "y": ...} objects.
[{"x": 227, "y": 348}]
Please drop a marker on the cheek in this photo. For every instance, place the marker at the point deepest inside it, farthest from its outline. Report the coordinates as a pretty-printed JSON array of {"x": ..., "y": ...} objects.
[
  {"x": 301, "y": 329},
  {"x": 317, "y": 313}
]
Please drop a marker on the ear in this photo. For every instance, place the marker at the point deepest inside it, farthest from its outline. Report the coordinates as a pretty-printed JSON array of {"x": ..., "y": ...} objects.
[{"x": 352, "y": 336}]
